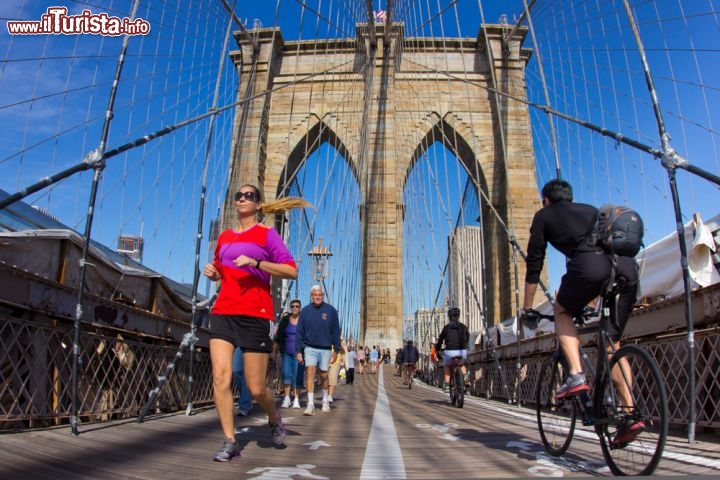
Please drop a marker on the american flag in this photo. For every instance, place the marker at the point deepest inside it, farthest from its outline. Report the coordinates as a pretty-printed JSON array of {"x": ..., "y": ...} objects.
[{"x": 380, "y": 15}]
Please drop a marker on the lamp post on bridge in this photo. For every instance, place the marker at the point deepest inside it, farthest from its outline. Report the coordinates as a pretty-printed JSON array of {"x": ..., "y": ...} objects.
[{"x": 319, "y": 255}]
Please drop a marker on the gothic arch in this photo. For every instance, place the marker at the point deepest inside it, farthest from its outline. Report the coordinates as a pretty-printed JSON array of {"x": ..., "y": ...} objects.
[
  {"x": 434, "y": 128},
  {"x": 304, "y": 139},
  {"x": 480, "y": 164}
]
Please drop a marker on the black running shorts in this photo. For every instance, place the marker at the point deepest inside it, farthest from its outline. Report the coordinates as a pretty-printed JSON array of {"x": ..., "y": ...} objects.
[{"x": 252, "y": 334}]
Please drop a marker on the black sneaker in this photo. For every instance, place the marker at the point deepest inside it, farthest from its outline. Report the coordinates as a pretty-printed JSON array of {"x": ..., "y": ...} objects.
[
  {"x": 229, "y": 450},
  {"x": 573, "y": 385}
]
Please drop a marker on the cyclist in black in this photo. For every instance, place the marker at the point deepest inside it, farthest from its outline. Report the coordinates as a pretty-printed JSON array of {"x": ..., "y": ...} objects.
[
  {"x": 565, "y": 225},
  {"x": 410, "y": 358},
  {"x": 456, "y": 337}
]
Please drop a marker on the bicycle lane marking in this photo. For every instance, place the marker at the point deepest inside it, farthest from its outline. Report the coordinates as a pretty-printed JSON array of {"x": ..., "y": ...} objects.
[
  {"x": 383, "y": 457},
  {"x": 544, "y": 465},
  {"x": 548, "y": 465},
  {"x": 443, "y": 429},
  {"x": 667, "y": 454},
  {"x": 530, "y": 418}
]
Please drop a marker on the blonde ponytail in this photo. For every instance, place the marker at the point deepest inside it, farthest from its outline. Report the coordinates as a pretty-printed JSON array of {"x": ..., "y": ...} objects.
[
  {"x": 280, "y": 205},
  {"x": 283, "y": 204}
]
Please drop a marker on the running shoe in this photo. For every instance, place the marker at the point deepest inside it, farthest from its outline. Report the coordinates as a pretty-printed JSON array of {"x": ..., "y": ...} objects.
[
  {"x": 278, "y": 432},
  {"x": 628, "y": 432},
  {"x": 286, "y": 403},
  {"x": 309, "y": 410},
  {"x": 573, "y": 385},
  {"x": 229, "y": 450}
]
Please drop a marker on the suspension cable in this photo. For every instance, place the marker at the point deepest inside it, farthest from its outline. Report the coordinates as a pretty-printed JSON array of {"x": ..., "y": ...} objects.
[{"x": 98, "y": 166}]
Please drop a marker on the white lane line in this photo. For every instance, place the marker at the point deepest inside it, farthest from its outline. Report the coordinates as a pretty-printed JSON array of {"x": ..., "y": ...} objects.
[
  {"x": 383, "y": 457},
  {"x": 692, "y": 459}
]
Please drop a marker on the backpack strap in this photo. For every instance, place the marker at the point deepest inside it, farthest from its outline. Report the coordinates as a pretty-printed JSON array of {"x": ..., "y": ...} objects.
[
  {"x": 615, "y": 283},
  {"x": 591, "y": 234},
  {"x": 613, "y": 270}
]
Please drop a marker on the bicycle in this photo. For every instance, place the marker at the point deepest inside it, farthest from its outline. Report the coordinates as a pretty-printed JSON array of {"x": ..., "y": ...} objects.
[
  {"x": 457, "y": 383},
  {"x": 409, "y": 374},
  {"x": 602, "y": 407}
]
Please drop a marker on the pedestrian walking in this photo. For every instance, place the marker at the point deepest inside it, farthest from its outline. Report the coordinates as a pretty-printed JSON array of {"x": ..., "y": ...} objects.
[{"x": 318, "y": 344}]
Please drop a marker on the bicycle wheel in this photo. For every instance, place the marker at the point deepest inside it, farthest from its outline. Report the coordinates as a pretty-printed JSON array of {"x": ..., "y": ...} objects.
[
  {"x": 641, "y": 453},
  {"x": 460, "y": 386},
  {"x": 555, "y": 418},
  {"x": 453, "y": 395}
]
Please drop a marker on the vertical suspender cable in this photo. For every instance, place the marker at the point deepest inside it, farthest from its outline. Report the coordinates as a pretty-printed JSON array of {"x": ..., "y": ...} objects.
[
  {"x": 551, "y": 120},
  {"x": 201, "y": 212},
  {"x": 243, "y": 30},
  {"x": 501, "y": 130},
  {"x": 363, "y": 160},
  {"x": 98, "y": 159},
  {"x": 510, "y": 217},
  {"x": 506, "y": 50},
  {"x": 482, "y": 301},
  {"x": 189, "y": 338},
  {"x": 518, "y": 328},
  {"x": 668, "y": 161}
]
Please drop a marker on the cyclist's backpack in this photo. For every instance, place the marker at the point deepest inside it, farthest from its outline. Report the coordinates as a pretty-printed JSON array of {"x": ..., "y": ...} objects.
[{"x": 617, "y": 230}]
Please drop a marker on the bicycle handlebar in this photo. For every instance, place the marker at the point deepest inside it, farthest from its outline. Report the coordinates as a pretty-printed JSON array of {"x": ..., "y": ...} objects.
[{"x": 532, "y": 317}]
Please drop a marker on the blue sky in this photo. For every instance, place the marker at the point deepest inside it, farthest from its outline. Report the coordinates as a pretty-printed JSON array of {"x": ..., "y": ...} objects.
[{"x": 54, "y": 92}]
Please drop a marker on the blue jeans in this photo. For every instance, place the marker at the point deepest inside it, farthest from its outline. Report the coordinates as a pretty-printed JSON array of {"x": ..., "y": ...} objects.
[
  {"x": 245, "y": 400},
  {"x": 292, "y": 370}
]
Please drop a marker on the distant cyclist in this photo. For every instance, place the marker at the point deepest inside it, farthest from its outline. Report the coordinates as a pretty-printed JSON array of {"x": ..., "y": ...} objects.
[
  {"x": 456, "y": 336},
  {"x": 410, "y": 358}
]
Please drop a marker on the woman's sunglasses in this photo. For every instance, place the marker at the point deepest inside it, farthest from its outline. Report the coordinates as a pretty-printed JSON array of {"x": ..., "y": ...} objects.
[{"x": 251, "y": 196}]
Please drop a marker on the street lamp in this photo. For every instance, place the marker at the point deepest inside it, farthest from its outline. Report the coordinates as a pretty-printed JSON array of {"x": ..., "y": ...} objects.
[{"x": 319, "y": 255}]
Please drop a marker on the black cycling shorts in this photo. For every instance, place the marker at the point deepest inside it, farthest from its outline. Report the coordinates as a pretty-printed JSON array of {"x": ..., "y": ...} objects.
[{"x": 584, "y": 279}]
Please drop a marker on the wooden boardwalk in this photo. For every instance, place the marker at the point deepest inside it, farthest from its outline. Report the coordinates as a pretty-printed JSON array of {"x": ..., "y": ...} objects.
[{"x": 418, "y": 437}]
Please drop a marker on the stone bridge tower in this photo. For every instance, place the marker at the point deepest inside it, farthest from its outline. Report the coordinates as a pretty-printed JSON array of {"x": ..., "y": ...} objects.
[{"x": 352, "y": 93}]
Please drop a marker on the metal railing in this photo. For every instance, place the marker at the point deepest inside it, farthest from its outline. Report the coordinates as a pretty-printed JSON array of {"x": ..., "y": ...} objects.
[
  {"x": 509, "y": 372},
  {"x": 117, "y": 372},
  {"x": 119, "y": 368},
  {"x": 670, "y": 352}
]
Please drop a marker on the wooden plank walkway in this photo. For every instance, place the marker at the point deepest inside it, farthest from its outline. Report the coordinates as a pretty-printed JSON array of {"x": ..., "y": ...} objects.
[{"x": 485, "y": 439}]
